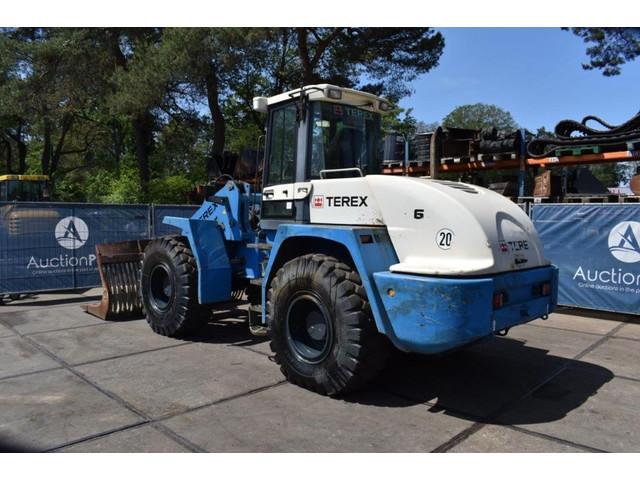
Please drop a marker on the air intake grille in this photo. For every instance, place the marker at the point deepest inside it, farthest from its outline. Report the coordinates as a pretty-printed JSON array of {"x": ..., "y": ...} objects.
[{"x": 458, "y": 186}]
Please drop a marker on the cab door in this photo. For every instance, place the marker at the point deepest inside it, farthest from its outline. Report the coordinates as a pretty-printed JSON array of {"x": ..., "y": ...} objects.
[{"x": 280, "y": 171}]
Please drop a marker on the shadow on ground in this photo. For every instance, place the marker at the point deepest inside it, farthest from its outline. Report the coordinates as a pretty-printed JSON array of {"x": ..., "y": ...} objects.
[
  {"x": 35, "y": 301},
  {"x": 481, "y": 382},
  {"x": 228, "y": 325}
]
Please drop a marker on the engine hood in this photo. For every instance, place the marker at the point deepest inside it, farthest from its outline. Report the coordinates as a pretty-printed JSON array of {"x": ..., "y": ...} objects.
[
  {"x": 439, "y": 227},
  {"x": 451, "y": 228}
]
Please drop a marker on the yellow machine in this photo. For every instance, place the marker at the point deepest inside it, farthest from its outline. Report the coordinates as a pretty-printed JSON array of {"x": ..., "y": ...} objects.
[{"x": 24, "y": 188}]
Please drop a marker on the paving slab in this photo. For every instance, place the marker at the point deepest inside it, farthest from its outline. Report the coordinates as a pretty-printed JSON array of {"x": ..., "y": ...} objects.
[
  {"x": 599, "y": 326},
  {"x": 110, "y": 339},
  {"x": 619, "y": 355},
  {"x": 172, "y": 380},
  {"x": 48, "y": 409},
  {"x": 290, "y": 419},
  {"x": 585, "y": 409},
  {"x": 17, "y": 357},
  {"x": 498, "y": 439},
  {"x": 93, "y": 292},
  {"x": 145, "y": 439},
  {"x": 5, "y": 331},
  {"x": 630, "y": 330},
  {"x": 51, "y": 318},
  {"x": 44, "y": 301}
]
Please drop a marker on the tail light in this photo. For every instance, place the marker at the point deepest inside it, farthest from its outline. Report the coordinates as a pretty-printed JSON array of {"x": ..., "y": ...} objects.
[
  {"x": 499, "y": 299},
  {"x": 542, "y": 289}
]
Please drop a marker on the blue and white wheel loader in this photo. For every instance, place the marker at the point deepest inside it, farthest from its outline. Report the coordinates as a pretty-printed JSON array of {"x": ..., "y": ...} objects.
[{"x": 338, "y": 262}]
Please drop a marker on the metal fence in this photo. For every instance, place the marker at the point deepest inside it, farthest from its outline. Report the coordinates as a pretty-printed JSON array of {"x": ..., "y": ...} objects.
[{"x": 51, "y": 246}]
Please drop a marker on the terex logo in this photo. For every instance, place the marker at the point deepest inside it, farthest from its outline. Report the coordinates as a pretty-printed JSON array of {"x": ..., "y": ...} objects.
[
  {"x": 347, "y": 201},
  {"x": 623, "y": 242},
  {"x": 72, "y": 233}
]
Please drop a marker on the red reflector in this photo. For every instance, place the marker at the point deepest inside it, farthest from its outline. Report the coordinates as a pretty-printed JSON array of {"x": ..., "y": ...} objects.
[
  {"x": 546, "y": 289},
  {"x": 498, "y": 300}
]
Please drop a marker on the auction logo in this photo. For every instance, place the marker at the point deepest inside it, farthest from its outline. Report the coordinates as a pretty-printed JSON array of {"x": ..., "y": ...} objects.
[
  {"x": 623, "y": 242},
  {"x": 72, "y": 233}
]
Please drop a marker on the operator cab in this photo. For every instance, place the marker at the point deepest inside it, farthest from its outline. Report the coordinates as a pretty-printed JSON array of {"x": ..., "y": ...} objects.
[{"x": 316, "y": 132}]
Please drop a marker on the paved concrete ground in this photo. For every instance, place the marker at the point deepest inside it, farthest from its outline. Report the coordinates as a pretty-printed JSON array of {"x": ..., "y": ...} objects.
[{"x": 73, "y": 383}]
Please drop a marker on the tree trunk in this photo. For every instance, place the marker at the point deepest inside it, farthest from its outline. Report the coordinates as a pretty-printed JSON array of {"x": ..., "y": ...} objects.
[
  {"x": 215, "y": 161},
  {"x": 143, "y": 131},
  {"x": 22, "y": 156},
  {"x": 118, "y": 141},
  {"x": 303, "y": 52},
  {"x": 67, "y": 122},
  {"x": 8, "y": 155},
  {"x": 310, "y": 62},
  {"x": 46, "y": 148},
  {"x": 22, "y": 148}
]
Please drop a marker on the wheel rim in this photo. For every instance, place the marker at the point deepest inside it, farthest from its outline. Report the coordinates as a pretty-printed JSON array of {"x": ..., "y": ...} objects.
[
  {"x": 161, "y": 288},
  {"x": 309, "y": 328}
]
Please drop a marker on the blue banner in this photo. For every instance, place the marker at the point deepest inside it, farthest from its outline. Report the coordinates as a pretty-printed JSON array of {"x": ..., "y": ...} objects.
[
  {"x": 597, "y": 250},
  {"x": 51, "y": 246}
]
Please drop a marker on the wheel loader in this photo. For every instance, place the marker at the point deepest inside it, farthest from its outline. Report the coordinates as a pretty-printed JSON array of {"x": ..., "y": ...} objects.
[{"x": 339, "y": 263}]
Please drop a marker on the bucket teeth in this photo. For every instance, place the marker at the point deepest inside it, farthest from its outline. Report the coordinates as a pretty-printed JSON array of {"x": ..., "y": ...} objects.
[{"x": 119, "y": 266}]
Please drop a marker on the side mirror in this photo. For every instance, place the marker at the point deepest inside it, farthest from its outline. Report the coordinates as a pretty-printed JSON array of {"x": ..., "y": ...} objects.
[{"x": 260, "y": 104}]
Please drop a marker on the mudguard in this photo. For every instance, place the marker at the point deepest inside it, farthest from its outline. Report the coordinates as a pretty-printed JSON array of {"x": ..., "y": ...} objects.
[{"x": 208, "y": 247}]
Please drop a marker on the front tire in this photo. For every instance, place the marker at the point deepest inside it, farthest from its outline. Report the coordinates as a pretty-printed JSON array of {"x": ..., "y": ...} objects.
[
  {"x": 168, "y": 284},
  {"x": 322, "y": 332}
]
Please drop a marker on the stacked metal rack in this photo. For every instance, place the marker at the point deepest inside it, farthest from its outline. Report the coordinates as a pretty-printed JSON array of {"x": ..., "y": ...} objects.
[{"x": 444, "y": 142}]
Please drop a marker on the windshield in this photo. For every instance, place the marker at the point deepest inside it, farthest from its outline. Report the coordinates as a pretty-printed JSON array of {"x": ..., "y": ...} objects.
[
  {"x": 343, "y": 137},
  {"x": 23, "y": 190}
]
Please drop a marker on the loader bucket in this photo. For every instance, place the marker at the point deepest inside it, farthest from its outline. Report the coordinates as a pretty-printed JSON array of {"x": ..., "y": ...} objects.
[{"x": 119, "y": 266}]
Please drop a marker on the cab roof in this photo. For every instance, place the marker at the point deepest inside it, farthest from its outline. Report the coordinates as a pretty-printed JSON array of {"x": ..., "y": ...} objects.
[
  {"x": 329, "y": 93},
  {"x": 24, "y": 178}
]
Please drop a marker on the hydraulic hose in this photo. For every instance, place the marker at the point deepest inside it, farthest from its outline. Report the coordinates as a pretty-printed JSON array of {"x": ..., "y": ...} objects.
[{"x": 613, "y": 135}]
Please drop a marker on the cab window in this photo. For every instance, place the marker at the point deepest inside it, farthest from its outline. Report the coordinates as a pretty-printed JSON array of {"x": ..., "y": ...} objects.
[
  {"x": 343, "y": 136},
  {"x": 282, "y": 150}
]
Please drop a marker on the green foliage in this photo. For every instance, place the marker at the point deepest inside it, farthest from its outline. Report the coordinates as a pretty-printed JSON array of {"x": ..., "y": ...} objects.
[
  {"x": 115, "y": 187},
  {"x": 610, "y": 47},
  {"x": 480, "y": 116},
  {"x": 143, "y": 114},
  {"x": 171, "y": 190},
  {"x": 613, "y": 174},
  {"x": 399, "y": 120}
]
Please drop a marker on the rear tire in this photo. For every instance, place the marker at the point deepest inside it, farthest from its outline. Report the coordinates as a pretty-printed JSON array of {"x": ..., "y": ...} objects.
[
  {"x": 169, "y": 288},
  {"x": 322, "y": 332}
]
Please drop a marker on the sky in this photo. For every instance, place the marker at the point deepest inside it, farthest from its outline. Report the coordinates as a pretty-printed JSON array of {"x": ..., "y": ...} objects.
[{"x": 534, "y": 73}]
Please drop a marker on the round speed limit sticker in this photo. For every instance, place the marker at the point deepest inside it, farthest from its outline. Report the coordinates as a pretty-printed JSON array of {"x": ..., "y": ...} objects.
[{"x": 444, "y": 238}]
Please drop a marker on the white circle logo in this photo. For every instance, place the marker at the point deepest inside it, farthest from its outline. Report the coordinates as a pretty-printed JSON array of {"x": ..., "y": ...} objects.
[
  {"x": 72, "y": 233},
  {"x": 623, "y": 242}
]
